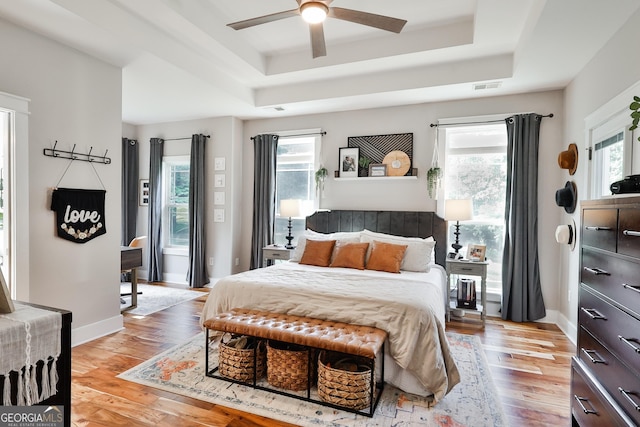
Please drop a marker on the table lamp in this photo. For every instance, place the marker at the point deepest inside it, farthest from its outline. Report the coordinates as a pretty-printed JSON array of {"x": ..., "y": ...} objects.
[
  {"x": 458, "y": 210},
  {"x": 290, "y": 208}
]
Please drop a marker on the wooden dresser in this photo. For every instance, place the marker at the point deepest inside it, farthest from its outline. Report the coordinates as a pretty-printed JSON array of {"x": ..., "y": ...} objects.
[{"x": 605, "y": 384}]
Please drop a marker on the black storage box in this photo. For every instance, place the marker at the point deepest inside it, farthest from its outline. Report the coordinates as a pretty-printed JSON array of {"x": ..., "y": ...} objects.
[{"x": 466, "y": 293}]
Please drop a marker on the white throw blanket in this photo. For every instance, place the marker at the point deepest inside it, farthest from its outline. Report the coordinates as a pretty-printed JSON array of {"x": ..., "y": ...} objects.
[
  {"x": 29, "y": 335},
  {"x": 409, "y": 308}
]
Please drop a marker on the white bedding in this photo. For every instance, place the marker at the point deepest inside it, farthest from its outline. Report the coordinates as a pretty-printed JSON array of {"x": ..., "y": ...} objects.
[{"x": 409, "y": 306}]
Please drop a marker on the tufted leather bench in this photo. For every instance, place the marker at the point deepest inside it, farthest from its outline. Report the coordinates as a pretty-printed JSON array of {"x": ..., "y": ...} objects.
[{"x": 357, "y": 340}]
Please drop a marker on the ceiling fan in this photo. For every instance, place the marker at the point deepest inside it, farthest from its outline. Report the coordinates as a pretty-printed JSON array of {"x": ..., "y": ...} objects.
[{"x": 315, "y": 12}]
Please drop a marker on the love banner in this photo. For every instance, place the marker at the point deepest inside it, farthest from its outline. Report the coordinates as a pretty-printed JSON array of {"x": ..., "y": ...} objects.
[{"x": 80, "y": 213}]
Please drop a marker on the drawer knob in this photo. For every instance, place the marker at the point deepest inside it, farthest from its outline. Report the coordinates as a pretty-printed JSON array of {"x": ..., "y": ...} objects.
[
  {"x": 584, "y": 408},
  {"x": 597, "y": 271},
  {"x": 631, "y": 233},
  {"x": 593, "y": 313},
  {"x": 631, "y": 287},
  {"x": 596, "y": 228},
  {"x": 628, "y": 395},
  {"x": 629, "y": 343},
  {"x": 592, "y": 359}
]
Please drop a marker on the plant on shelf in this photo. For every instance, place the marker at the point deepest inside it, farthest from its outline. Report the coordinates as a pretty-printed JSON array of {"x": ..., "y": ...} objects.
[
  {"x": 635, "y": 113},
  {"x": 321, "y": 175},
  {"x": 363, "y": 163}
]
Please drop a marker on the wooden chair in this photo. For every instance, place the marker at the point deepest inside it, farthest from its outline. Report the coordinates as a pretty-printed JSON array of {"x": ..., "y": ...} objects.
[{"x": 137, "y": 242}]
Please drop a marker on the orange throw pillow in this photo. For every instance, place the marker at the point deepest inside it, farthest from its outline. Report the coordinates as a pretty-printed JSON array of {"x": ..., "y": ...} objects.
[
  {"x": 386, "y": 257},
  {"x": 350, "y": 255},
  {"x": 318, "y": 252}
]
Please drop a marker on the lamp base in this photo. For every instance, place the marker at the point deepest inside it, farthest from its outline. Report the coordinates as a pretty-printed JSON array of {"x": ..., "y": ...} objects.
[{"x": 289, "y": 237}]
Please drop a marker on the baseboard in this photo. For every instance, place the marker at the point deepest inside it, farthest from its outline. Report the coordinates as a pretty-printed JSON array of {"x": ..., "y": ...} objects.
[
  {"x": 99, "y": 329},
  {"x": 569, "y": 329}
]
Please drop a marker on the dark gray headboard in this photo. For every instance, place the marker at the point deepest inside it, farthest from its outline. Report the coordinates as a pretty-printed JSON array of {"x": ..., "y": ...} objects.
[{"x": 398, "y": 223}]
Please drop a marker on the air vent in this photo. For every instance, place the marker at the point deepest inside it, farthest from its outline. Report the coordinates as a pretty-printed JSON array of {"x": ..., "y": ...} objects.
[
  {"x": 488, "y": 85},
  {"x": 278, "y": 108}
]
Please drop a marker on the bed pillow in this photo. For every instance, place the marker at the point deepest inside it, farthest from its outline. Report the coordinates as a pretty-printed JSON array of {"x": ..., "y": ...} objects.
[
  {"x": 345, "y": 236},
  {"x": 419, "y": 251},
  {"x": 386, "y": 257},
  {"x": 349, "y": 255},
  {"x": 318, "y": 252}
]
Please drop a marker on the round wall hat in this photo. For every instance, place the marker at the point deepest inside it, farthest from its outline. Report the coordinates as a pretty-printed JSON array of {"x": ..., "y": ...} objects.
[
  {"x": 568, "y": 159},
  {"x": 567, "y": 197},
  {"x": 566, "y": 234}
]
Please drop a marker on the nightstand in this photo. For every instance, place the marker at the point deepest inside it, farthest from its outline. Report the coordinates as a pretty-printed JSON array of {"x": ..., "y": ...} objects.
[
  {"x": 468, "y": 268},
  {"x": 275, "y": 252}
]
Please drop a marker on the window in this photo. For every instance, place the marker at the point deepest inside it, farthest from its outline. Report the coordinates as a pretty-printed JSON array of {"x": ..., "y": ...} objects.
[
  {"x": 295, "y": 179},
  {"x": 175, "y": 221},
  {"x": 476, "y": 168},
  {"x": 608, "y": 160}
]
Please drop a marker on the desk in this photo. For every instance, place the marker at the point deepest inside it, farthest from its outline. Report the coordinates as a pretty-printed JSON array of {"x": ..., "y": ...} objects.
[
  {"x": 468, "y": 268},
  {"x": 131, "y": 259}
]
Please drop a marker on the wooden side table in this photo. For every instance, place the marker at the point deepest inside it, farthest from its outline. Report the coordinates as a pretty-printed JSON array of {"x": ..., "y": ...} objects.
[
  {"x": 275, "y": 252},
  {"x": 468, "y": 268}
]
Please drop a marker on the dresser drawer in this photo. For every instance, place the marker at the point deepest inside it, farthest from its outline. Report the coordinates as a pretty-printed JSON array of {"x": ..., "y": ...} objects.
[
  {"x": 614, "y": 277},
  {"x": 599, "y": 227},
  {"x": 613, "y": 375},
  {"x": 614, "y": 328},
  {"x": 629, "y": 232}
]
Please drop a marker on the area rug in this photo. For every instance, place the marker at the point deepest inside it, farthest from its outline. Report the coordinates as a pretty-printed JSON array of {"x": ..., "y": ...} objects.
[
  {"x": 473, "y": 402},
  {"x": 155, "y": 298}
]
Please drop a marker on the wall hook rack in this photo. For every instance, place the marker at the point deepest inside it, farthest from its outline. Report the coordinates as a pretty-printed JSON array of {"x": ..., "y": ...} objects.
[{"x": 72, "y": 155}]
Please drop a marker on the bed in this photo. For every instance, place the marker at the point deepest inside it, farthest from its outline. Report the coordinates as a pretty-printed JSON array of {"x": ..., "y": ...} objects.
[{"x": 409, "y": 305}]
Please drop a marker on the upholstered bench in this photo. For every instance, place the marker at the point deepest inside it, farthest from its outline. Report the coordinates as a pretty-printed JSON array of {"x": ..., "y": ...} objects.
[{"x": 355, "y": 340}]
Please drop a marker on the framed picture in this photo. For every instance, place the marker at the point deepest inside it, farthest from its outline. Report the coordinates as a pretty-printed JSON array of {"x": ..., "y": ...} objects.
[
  {"x": 377, "y": 169},
  {"x": 476, "y": 252},
  {"x": 144, "y": 192},
  {"x": 6, "y": 304},
  {"x": 349, "y": 157}
]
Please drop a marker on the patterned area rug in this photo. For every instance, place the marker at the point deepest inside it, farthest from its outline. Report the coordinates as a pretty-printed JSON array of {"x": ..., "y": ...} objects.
[
  {"x": 155, "y": 298},
  {"x": 473, "y": 402}
]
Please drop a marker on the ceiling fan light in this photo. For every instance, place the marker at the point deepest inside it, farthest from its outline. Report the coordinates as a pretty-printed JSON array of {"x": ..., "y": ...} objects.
[{"x": 314, "y": 12}]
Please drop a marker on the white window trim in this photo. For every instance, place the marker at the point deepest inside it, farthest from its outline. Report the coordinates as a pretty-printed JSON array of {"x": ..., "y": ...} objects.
[{"x": 166, "y": 248}]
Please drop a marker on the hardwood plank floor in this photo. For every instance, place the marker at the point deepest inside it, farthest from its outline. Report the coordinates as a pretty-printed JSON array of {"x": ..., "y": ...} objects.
[{"x": 530, "y": 365}]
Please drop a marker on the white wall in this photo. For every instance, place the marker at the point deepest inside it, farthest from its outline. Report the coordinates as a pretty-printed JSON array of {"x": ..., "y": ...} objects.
[
  {"x": 75, "y": 99},
  {"x": 221, "y": 237},
  {"x": 412, "y": 195},
  {"x": 615, "y": 68}
]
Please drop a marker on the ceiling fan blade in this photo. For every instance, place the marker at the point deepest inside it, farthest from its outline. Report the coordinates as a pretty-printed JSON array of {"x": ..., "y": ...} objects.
[
  {"x": 387, "y": 23},
  {"x": 318, "y": 47},
  {"x": 263, "y": 19}
]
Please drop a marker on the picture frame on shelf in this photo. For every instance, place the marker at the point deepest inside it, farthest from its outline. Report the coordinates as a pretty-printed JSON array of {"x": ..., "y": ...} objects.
[
  {"x": 348, "y": 158},
  {"x": 144, "y": 192},
  {"x": 377, "y": 169},
  {"x": 476, "y": 252}
]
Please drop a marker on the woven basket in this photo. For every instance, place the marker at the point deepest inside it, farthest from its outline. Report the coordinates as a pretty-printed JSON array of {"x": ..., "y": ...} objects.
[
  {"x": 288, "y": 365},
  {"x": 237, "y": 364},
  {"x": 341, "y": 387}
]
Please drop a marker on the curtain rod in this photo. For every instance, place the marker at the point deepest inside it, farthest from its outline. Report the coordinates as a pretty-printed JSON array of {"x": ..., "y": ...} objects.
[
  {"x": 435, "y": 125},
  {"x": 294, "y": 136},
  {"x": 189, "y": 137}
]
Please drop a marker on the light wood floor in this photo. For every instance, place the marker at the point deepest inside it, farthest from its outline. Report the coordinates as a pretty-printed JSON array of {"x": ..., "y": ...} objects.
[{"x": 530, "y": 365}]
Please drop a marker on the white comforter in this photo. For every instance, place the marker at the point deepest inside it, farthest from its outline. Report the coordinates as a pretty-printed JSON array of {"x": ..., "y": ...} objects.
[{"x": 409, "y": 306}]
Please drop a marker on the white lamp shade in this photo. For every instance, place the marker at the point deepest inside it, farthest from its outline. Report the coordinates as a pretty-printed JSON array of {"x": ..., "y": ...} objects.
[
  {"x": 290, "y": 208},
  {"x": 458, "y": 209}
]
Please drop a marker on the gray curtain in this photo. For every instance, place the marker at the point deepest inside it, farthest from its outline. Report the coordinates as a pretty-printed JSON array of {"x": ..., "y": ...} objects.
[
  {"x": 521, "y": 292},
  {"x": 129, "y": 190},
  {"x": 197, "y": 275},
  {"x": 154, "y": 247},
  {"x": 264, "y": 195}
]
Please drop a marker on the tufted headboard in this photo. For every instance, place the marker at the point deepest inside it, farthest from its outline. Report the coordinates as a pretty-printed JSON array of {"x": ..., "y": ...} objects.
[{"x": 399, "y": 223}]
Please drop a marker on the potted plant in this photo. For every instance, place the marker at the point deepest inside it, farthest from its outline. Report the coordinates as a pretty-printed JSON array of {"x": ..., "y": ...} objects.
[
  {"x": 433, "y": 180},
  {"x": 363, "y": 163},
  {"x": 635, "y": 113},
  {"x": 321, "y": 175}
]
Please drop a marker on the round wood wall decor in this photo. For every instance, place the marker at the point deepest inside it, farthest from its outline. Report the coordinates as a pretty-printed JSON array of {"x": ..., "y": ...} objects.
[{"x": 398, "y": 163}]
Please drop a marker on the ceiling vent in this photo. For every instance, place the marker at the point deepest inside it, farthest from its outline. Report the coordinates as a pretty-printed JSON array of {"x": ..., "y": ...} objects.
[
  {"x": 489, "y": 85},
  {"x": 278, "y": 108}
]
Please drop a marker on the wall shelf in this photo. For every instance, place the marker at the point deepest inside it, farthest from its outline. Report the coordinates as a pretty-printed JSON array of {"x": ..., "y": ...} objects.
[{"x": 377, "y": 178}]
